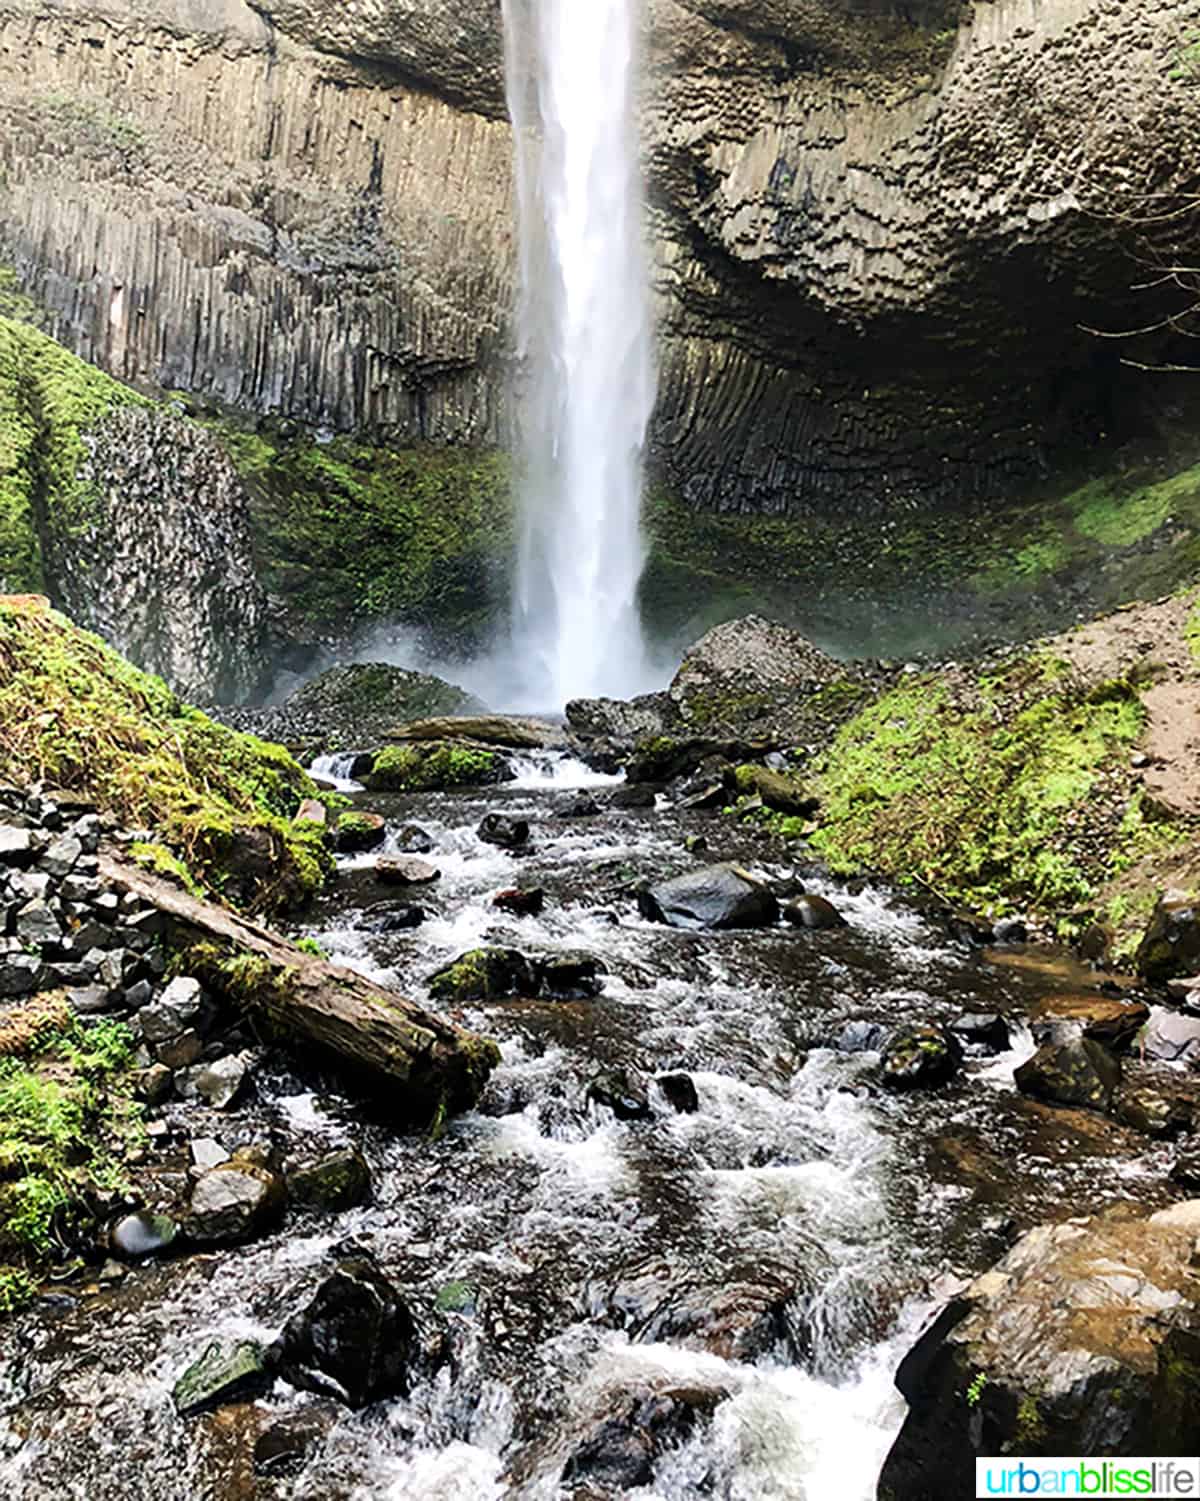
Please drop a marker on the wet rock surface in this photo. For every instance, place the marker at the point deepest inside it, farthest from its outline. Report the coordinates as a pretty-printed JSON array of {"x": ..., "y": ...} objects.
[{"x": 719, "y": 896}]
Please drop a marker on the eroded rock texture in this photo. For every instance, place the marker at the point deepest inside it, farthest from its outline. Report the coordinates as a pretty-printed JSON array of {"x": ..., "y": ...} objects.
[
  {"x": 878, "y": 225},
  {"x": 164, "y": 568}
]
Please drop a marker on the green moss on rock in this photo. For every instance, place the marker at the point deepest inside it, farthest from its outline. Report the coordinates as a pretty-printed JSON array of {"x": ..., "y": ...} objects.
[
  {"x": 75, "y": 715},
  {"x": 67, "y": 1122},
  {"x": 48, "y": 401},
  {"x": 347, "y": 533},
  {"x": 433, "y": 766}
]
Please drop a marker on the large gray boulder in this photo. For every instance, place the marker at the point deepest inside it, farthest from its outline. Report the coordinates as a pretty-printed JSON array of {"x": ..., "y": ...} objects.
[
  {"x": 1084, "y": 1339},
  {"x": 718, "y": 896}
]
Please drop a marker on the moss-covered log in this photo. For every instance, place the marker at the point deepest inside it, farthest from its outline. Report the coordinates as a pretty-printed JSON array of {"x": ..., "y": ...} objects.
[{"x": 417, "y": 1066}]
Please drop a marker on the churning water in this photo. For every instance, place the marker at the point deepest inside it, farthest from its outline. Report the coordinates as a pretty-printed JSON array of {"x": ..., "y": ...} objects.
[{"x": 585, "y": 347}]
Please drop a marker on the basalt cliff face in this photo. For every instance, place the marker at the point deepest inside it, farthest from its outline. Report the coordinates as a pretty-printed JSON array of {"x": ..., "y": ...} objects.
[{"x": 878, "y": 226}]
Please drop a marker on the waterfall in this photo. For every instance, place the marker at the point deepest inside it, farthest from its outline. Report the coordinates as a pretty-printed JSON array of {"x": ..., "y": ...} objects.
[{"x": 585, "y": 347}]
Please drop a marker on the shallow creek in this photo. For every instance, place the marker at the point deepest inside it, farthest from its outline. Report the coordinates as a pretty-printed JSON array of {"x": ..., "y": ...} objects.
[{"x": 776, "y": 1249}]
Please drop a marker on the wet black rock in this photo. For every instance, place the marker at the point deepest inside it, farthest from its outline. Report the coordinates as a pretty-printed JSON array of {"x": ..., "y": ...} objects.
[
  {"x": 577, "y": 805},
  {"x": 412, "y": 839},
  {"x": 136, "y": 1237},
  {"x": 487, "y": 974},
  {"x": 504, "y": 832},
  {"x": 284, "y": 1446},
  {"x": 521, "y": 903},
  {"x": 356, "y": 1341},
  {"x": 571, "y": 976},
  {"x": 227, "y": 1371},
  {"x": 622, "y": 1450},
  {"x": 623, "y": 1091},
  {"x": 1074, "y": 1072},
  {"x": 984, "y": 1030},
  {"x": 716, "y": 896},
  {"x": 234, "y": 1202},
  {"x": 679, "y": 1091},
  {"x": 919, "y": 1056},
  {"x": 385, "y": 917},
  {"x": 812, "y": 911},
  {"x": 1171, "y": 944},
  {"x": 339, "y": 1181},
  {"x": 633, "y": 796}
]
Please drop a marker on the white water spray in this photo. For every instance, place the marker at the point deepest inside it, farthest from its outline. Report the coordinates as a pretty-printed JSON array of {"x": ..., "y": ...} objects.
[{"x": 585, "y": 346}]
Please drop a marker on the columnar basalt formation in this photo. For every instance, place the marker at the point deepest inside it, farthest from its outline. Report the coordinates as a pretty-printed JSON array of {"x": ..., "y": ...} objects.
[{"x": 879, "y": 225}]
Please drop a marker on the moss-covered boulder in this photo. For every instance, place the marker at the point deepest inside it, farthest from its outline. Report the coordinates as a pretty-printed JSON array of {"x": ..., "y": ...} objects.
[
  {"x": 919, "y": 1056},
  {"x": 776, "y": 790},
  {"x": 218, "y": 805},
  {"x": 337, "y": 1181},
  {"x": 435, "y": 766},
  {"x": 488, "y": 974}
]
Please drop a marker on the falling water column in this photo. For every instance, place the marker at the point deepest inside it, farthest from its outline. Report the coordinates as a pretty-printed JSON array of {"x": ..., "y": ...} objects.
[{"x": 585, "y": 345}]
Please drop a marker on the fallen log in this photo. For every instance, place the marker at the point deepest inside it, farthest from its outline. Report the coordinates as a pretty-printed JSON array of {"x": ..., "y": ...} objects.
[{"x": 416, "y": 1065}]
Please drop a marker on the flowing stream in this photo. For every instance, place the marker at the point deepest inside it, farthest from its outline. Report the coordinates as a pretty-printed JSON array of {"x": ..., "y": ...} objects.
[
  {"x": 766, "y": 1259},
  {"x": 585, "y": 347}
]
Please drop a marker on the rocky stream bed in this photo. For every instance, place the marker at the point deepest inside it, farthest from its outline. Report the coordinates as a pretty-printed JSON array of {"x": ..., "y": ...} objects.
[{"x": 678, "y": 1249}]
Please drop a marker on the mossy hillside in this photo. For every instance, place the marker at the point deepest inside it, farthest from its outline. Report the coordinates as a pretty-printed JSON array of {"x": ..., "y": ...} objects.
[
  {"x": 433, "y": 766},
  {"x": 347, "y": 533},
  {"x": 1010, "y": 790},
  {"x": 67, "y": 1124},
  {"x": 48, "y": 402},
  {"x": 219, "y": 804}
]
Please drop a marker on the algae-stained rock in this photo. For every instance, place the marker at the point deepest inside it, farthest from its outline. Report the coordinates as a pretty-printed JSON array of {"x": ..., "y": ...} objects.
[
  {"x": 776, "y": 790},
  {"x": 1080, "y": 1341},
  {"x": 337, "y": 1181},
  {"x": 356, "y": 832},
  {"x": 356, "y": 1340},
  {"x": 717, "y": 896},
  {"x": 436, "y": 766},
  {"x": 227, "y": 1371},
  {"x": 487, "y": 974},
  {"x": 918, "y": 1056},
  {"x": 1170, "y": 947},
  {"x": 1076, "y": 1072}
]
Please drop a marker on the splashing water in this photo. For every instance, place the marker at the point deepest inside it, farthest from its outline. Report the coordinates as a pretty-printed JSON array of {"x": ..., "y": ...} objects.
[{"x": 585, "y": 346}]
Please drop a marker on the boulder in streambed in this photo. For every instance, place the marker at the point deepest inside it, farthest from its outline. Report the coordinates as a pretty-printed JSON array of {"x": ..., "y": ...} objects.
[
  {"x": 234, "y": 1202},
  {"x": 1172, "y": 1037},
  {"x": 405, "y": 870},
  {"x": 357, "y": 832},
  {"x": 135, "y": 1237},
  {"x": 620, "y": 1453},
  {"x": 635, "y": 795},
  {"x": 521, "y": 903},
  {"x": 624, "y": 1091},
  {"x": 776, "y": 790},
  {"x": 386, "y": 917},
  {"x": 1077, "y": 1071},
  {"x": 1170, "y": 947},
  {"x": 985, "y": 1030},
  {"x": 504, "y": 832},
  {"x": 1081, "y": 1340},
  {"x": 356, "y": 1341},
  {"x": 812, "y": 911},
  {"x": 335, "y": 1182},
  {"x": 716, "y": 896},
  {"x": 436, "y": 766},
  {"x": 679, "y": 1091},
  {"x": 919, "y": 1056},
  {"x": 227, "y": 1371},
  {"x": 487, "y": 974},
  {"x": 570, "y": 976},
  {"x": 1109, "y": 1020}
]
